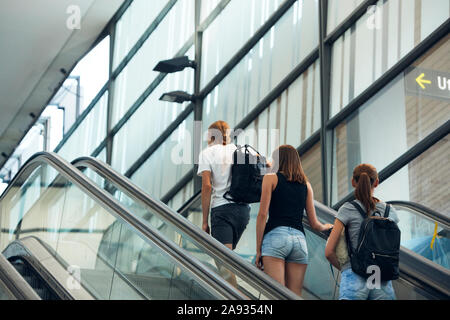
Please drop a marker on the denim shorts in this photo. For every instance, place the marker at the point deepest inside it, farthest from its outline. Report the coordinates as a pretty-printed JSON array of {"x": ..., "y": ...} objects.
[
  {"x": 285, "y": 243},
  {"x": 228, "y": 222},
  {"x": 354, "y": 287}
]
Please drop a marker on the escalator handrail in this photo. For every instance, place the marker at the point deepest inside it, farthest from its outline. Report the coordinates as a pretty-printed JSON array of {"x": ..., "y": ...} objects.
[
  {"x": 430, "y": 213},
  {"x": 15, "y": 282},
  {"x": 428, "y": 273},
  {"x": 412, "y": 264},
  {"x": 231, "y": 260},
  {"x": 102, "y": 197}
]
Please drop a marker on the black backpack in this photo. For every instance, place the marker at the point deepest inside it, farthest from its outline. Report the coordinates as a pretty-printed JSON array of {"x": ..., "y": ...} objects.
[
  {"x": 378, "y": 244},
  {"x": 246, "y": 176}
]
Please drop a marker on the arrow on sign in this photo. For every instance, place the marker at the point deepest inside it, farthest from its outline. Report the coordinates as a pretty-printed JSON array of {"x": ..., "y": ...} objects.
[{"x": 421, "y": 81}]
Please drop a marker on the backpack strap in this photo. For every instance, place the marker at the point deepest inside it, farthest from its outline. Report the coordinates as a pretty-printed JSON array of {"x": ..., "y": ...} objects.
[
  {"x": 387, "y": 210},
  {"x": 360, "y": 210},
  {"x": 349, "y": 244}
]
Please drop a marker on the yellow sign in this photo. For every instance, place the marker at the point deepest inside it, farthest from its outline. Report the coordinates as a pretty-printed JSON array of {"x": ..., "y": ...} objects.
[
  {"x": 421, "y": 81},
  {"x": 434, "y": 236}
]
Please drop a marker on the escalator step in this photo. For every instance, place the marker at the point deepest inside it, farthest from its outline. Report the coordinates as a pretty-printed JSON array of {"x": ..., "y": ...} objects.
[
  {"x": 41, "y": 292},
  {"x": 20, "y": 268}
]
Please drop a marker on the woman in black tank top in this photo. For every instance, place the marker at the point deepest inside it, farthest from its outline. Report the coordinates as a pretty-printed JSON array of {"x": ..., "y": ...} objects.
[{"x": 280, "y": 240}]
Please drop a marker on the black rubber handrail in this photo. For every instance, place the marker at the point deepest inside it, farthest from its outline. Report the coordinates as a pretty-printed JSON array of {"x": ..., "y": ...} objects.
[
  {"x": 423, "y": 210},
  {"x": 14, "y": 281},
  {"x": 74, "y": 176},
  {"x": 428, "y": 274},
  {"x": 258, "y": 279}
]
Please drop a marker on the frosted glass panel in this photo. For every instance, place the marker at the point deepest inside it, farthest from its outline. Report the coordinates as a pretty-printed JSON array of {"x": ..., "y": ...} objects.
[
  {"x": 207, "y": 7},
  {"x": 172, "y": 33},
  {"x": 372, "y": 46},
  {"x": 292, "y": 118},
  {"x": 89, "y": 134},
  {"x": 242, "y": 19},
  {"x": 149, "y": 121},
  {"x": 339, "y": 10},
  {"x": 182, "y": 196},
  {"x": 277, "y": 53},
  {"x": 419, "y": 181},
  {"x": 132, "y": 25},
  {"x": 394, "y": 120},
  {"x": 169, "y": 163}
]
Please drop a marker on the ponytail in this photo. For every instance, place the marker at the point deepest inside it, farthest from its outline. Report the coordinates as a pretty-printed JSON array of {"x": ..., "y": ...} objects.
[{"x": 365, "y": 176}]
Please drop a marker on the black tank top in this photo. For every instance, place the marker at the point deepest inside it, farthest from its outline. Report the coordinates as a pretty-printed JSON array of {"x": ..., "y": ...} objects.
[{"x": 287, "y": 205}]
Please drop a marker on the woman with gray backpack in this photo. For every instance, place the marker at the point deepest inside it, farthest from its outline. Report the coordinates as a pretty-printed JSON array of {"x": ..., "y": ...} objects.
[{"x": 373, "y": 242}]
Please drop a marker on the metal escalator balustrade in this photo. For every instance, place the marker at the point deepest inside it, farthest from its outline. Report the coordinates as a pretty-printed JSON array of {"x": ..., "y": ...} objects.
[
  {"x": 421, "y": 278},
  {"x": 424, "y": 231},
  {"x": 418, "y": 284},
  {"x": 13, "y": 286},
  {"x": 251, "y": 281},
  {"x": 52, "y": 201}
]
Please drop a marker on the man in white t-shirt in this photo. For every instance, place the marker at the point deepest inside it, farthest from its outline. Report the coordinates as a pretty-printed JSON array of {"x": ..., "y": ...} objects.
[{"x": 228, "y": 219}]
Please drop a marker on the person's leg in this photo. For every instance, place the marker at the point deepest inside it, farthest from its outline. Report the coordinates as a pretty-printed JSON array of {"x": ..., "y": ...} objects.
[
  {"x": 222, "y": 230},
  {"x": 274, "y": 267},
  {"x": 240, "y": 219},
  {"x": 295, "y": 274},
  {"x": 296, "y": 261}
]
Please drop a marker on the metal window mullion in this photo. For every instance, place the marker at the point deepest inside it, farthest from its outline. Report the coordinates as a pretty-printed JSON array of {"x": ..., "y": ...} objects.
[
  {"x": 198, "y": 104},
  {"x": 325, "y": 84},
  {"x": 109, "y": 143},
  {"x": 360, "y": 11}
]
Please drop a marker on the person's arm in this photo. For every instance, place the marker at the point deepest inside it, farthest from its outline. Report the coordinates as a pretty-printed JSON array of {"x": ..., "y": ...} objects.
[
  {"x": 206, "y": 198},
  {"x": 269, "y": 181},
  {"x": 311, "y": 212},
  {"x": 333, "y": 239}
]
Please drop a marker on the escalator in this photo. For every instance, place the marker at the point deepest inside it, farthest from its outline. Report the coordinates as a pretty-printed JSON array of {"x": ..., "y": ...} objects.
[
  {"x": 421, "y": 275},
  {"x": 72, "y": 240},
  {"x": 13, "y": 286}
]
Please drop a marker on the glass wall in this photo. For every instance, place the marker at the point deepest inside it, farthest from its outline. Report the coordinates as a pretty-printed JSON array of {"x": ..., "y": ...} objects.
[
  {"x": 369, "y": 49},
  {"x": 382, "y": 128},
  {"x": 167, "y": 165},
  {"x": 393, "y": 121},
  {"x": 89, "y": 134},
  {"x": 425, "y": 180},
  {"x": 169, "y": 37},
  {"x": 338, "y": 10},
  {"x": 241, "y": 26},
  {"x": 152, "y": 117},
  {"x": 132, "y": 25},
  {"x": 282, "y": 48}
]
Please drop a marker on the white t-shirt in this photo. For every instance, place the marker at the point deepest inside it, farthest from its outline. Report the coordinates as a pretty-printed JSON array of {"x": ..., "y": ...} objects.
[{"x": 218, "y": 160}]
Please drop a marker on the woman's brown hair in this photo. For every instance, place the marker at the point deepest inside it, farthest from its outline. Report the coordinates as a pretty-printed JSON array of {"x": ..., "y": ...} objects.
[
  {"x": 219, "y": 130},
  {"x": 365, "y": 176},
  {"x": 287, "y": 160}
]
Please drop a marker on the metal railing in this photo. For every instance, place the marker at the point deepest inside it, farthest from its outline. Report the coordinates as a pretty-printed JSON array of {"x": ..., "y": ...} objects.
[
  {"x": 66, "y": 170},
  {"x": 231, "y": 260}
]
